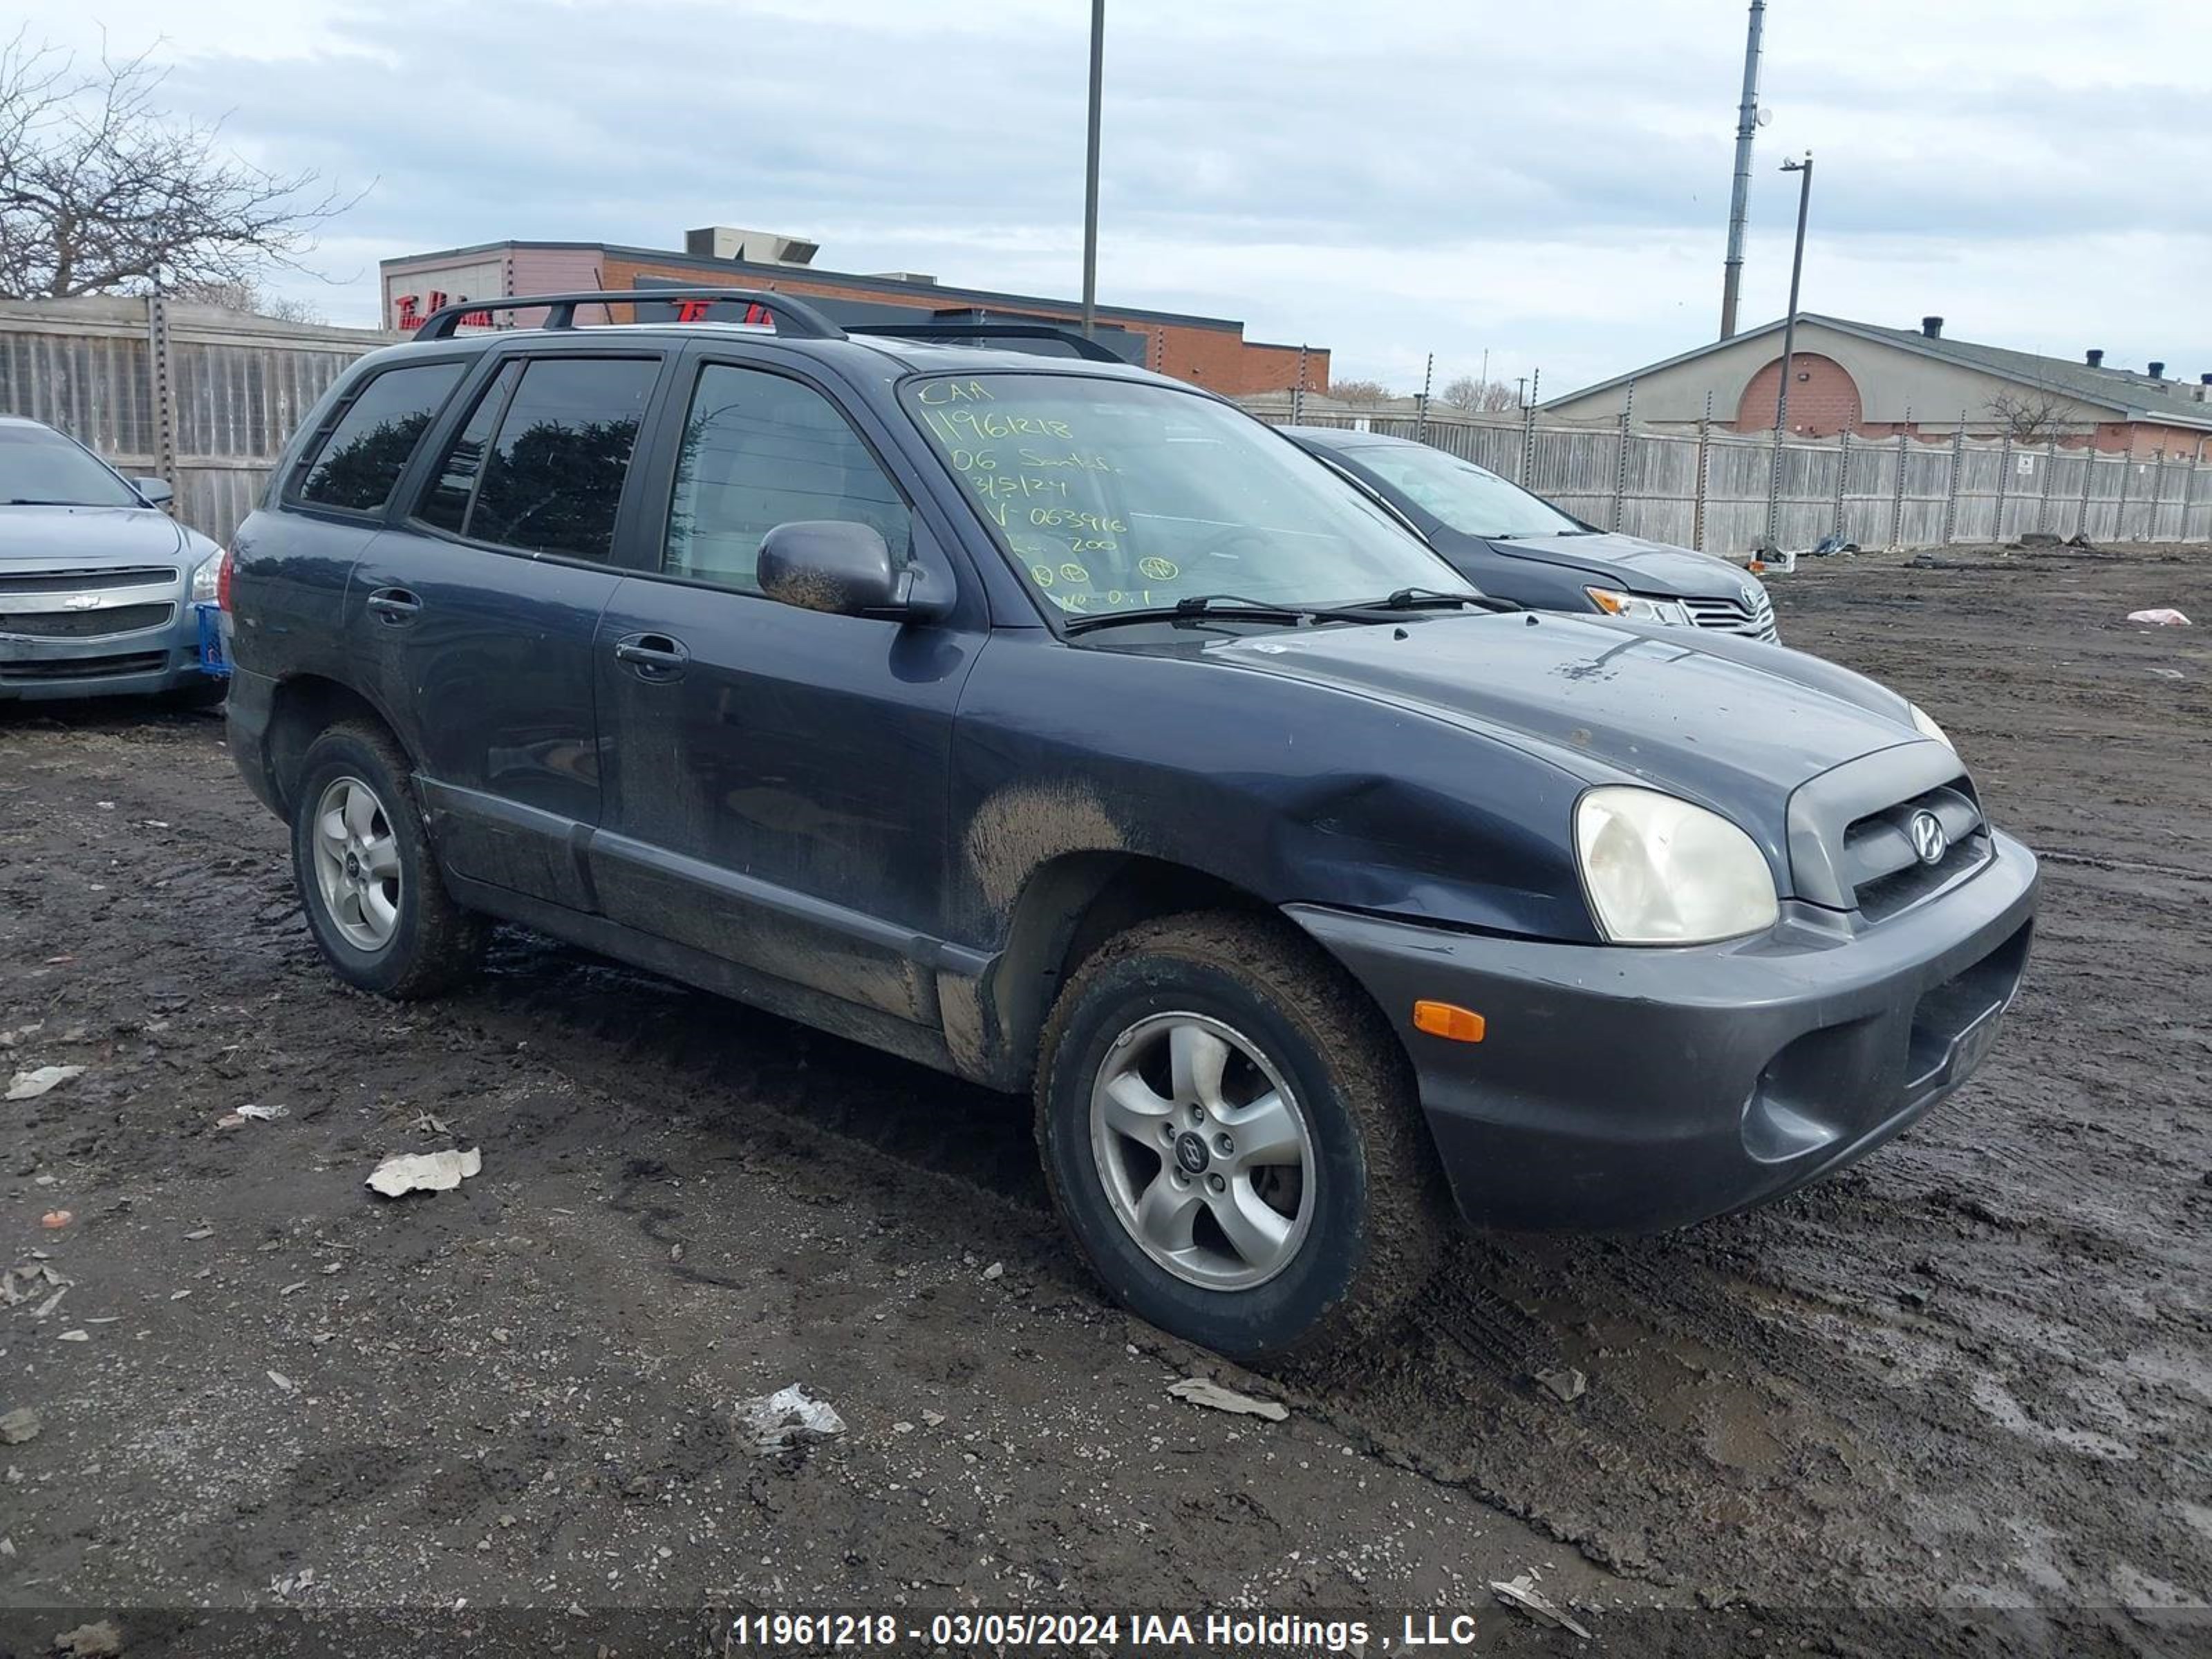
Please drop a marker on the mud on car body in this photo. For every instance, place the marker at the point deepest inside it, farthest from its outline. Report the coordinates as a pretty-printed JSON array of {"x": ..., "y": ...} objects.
[{"x": 1061, "y": 727}]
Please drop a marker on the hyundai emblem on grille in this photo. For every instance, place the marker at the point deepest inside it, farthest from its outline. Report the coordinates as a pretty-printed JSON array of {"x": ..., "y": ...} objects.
[{"x": 1928, "y": 839}]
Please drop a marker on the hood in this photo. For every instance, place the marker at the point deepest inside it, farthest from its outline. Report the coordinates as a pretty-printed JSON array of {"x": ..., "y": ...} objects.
[
  {"x": 1736, "y": 729},
  {"x": 1632, "y": 563},
  {"x": 90, "y": 536}
]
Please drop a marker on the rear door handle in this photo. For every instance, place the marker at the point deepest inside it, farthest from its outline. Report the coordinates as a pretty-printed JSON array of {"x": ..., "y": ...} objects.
[
  {"x": 395, "y": 604},
  {"x": 653, "y": 656}
]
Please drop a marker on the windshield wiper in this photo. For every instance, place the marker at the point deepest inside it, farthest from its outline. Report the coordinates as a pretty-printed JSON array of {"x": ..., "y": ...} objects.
[
  {"x": 33, "y": 501},
  {"x": 1436, "y": 598},
  {"x": 1228, "y": 606}
]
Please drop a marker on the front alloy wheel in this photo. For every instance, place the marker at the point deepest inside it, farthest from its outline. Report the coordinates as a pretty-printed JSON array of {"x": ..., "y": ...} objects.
[
  {"x": 1230, "y": 1130},
  {"x": 1204, "y": 1151}
]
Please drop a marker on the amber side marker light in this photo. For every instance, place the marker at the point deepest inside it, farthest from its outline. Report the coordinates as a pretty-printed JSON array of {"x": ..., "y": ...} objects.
[{"x": 1448, "y": 1020}]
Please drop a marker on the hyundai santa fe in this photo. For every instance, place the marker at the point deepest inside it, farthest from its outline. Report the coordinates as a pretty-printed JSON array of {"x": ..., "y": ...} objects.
[{"x": 1061, "y": 727}]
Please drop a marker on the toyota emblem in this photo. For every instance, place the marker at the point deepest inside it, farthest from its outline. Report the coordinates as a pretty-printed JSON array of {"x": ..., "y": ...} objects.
[{"x": 1928, "y": 839}]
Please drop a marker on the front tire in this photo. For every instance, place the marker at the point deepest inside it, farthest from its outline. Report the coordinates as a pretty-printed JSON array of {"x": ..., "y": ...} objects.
[
  {"x": 367, "y": 879},
  {"x": 1230, "y": 1131}
]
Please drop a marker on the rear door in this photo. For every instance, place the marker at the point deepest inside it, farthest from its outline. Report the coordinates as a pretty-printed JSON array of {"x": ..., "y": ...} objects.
[
  {"x": 778, "y": 777},
  {"x": 474, "y": 617}
]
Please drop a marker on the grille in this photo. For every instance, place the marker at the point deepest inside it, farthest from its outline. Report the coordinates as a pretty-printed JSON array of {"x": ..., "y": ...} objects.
[
  {"x": 85, "y": 624},
  {"x": 86, "y": 581},
  {"x": 1754, "y": 621},
  {"x": 1884, "y": 867},
  {"x": 83, "y": 668}
]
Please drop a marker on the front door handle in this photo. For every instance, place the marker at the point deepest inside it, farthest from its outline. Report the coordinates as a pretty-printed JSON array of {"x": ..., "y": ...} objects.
[
  {"x": 395, "y": 605},
  {"x": 656, "y": 657}
]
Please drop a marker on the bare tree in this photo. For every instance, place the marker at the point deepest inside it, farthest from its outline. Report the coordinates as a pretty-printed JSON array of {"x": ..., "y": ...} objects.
[
  {"x": 2032, "y": 415},
  {"x": 104, "y": 191},
  {"x": 1468, "y": 393},
  {"x": 244, "y": 294},
  {"x": 1360, "y": 391}
]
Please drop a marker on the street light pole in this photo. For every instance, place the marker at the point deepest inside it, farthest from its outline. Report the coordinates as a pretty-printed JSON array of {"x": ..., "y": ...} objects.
[
  {"x": 1090, "y": 174},
  {"x": 1804, "y": 171}
]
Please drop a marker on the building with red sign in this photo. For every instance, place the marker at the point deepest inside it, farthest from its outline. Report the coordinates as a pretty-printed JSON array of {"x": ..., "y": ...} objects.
[{"x": 1208, "y": 351}]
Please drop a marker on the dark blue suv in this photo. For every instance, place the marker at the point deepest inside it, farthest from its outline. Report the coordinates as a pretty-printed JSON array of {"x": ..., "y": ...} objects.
[{"x": 1061, "y": 727}]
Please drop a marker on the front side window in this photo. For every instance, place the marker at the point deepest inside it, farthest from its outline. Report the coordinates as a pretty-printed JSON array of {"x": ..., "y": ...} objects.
[
  {"x": 1121, "y": 496},
  {"x": 761, "y": 450},
  {"x": 1460, "y": 494},
  {"x": 540, "y": 464},
  {"x": 357, "y": 464}
]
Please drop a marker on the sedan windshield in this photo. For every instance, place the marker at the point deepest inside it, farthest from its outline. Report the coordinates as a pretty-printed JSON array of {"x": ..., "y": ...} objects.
[
  {"x": 1118, "y": 495},
  {"x": 1460, "y": 493},
  {"x": 40, "y": 466}
]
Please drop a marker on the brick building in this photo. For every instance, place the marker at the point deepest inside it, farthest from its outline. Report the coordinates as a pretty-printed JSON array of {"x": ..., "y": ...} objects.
[
  {"x": 1874, "y": 381},
  {"x": 1208, "y": 351}
]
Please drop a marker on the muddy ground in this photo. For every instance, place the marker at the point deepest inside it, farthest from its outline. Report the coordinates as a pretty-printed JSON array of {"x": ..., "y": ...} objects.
[{"x": 1975, "y": 1371}]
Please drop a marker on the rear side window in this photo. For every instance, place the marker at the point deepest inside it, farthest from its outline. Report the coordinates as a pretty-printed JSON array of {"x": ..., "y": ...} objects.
[
  {"x": 759, "y": 451},
  {"x": 540, "y": 464},
  {"x": 360, "y": 460}
]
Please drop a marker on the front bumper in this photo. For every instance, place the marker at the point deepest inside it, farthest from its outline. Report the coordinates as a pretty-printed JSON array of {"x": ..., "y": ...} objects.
[
  {"x": 136, "y": 664},
  {"x": 1634, "y": 1090}
]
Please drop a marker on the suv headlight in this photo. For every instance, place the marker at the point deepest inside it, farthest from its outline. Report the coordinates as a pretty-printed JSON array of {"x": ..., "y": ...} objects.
[
  {"x": 1927, "y": 728},
  {"x": 1637, "y": 608},
  {"x": 1659, "y": 871},
  {"x": 205, "y": 576}
]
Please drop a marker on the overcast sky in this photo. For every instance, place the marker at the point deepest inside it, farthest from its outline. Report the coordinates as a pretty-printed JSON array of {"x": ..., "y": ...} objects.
[{"x": 1549, "y": 184}]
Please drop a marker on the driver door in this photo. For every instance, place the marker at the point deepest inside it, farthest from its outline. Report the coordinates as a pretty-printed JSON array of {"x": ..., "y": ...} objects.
[{"x": 777, "y": 782}]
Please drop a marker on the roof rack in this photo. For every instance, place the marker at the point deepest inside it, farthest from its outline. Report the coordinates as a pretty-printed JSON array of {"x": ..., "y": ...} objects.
[
  {"x": 791, "y": 317},
  {"x": 1082, "y": 347}
]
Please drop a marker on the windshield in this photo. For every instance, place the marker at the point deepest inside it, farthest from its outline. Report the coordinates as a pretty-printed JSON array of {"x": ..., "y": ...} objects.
[
  {"x": 1467, "y": 498},
  {"x": 1117, "y": 496},
  {"x": 39, "y": 465}
]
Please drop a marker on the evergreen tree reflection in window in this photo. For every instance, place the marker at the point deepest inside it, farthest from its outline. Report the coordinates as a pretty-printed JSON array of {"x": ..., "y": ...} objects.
[
  {"x": 364, "y": 453},
  {"x": 553, "y": 479}
]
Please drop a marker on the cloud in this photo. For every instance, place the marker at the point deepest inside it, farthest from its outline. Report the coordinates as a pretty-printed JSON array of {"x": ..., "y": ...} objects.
[{"x": 1547, "y": 183}]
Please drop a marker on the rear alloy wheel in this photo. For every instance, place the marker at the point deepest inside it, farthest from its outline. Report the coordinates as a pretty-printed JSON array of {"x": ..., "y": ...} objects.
[
  {"x": 357, "y": 864},
  {"x": 366, "y": 876},
  {"x": 1231, "y": 1132}
]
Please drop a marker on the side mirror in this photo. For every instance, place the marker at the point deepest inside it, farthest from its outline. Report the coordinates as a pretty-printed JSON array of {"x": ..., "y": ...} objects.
[
  {"x": 157, "y": 491},
  {"x": 844, "y": 568}
]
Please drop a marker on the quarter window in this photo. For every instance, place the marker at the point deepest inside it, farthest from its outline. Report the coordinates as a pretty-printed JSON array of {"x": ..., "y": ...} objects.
[
  {"x": 360, "y": 460},
  {"x": 760, "y": 450},
  {"x": 541, "y": 462}
]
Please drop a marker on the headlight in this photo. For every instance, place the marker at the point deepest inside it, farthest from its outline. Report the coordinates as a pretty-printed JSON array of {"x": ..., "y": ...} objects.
[
  {"x": 1927, "y": 728},
  {"x": 205, "y": 576},
  {"x": 1637, "y": 608},
  {"x": 1659, "y": 871}
]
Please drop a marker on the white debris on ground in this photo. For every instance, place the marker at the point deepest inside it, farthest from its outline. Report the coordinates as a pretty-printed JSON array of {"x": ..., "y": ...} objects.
[
  {"x": 2163, "y": 617},
  {"x": 425, "y": 1172},
  {"x": 30, "y": 1085},
  {"x": 1521, "y": 1592},
  {"x": 1205, "y": 1391},
  {"x": 778, "y": 1421}
]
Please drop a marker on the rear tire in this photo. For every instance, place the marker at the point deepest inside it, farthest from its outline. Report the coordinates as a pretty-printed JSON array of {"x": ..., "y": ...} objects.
[
  {"x": 368, "y": 878},
  {"x": 1311, "y": 1205}
]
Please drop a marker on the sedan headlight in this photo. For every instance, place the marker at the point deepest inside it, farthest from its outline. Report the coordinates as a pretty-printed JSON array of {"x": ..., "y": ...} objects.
[
  {"x": 1927, "y": 728},
  {"x": 1637, "y": 608},
  {"x": 205, "y": 576},
  {"x": 1659, "y": 871}
]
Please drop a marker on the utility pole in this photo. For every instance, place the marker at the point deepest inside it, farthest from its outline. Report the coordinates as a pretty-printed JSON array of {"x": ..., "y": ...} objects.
[
  {"x": 1091, "y": 174},
  {"x": 1747, "y": 125},
  {"x": 1804, "y": 171}
]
